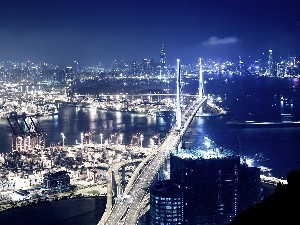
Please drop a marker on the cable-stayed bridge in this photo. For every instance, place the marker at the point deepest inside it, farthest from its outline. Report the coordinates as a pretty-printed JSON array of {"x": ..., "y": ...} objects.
[{"x": 133, "y": 200}]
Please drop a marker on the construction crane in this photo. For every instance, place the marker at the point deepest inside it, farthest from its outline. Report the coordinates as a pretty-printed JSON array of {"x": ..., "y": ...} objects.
[{"x": 26, "y": 134}]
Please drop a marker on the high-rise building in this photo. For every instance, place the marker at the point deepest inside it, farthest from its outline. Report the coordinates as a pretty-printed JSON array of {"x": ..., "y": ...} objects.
[
  {"x": 209, "y": 188},
  {"x": 162, "y": 61},
  {"x": 25, "y": 71},
  {"x": 69, "y": 71},
  {"x": 270, "y": 64},
  {"x": 134, "y": 68},
  {"x": 166, "y": 203},
  {"x": 58, "y": 180},
  {"x": 59, "y": 75},
  {"x": 145, "y": 66},
  {"x": 281, "y": 69},
  {"x": 75, "y": 67},
  {"x": 214, "y": 187},
  {"x": 44, "y": 75},
  {"x": 152, "y": 67},
  {"x": 114, "y": 66},
  {"x": 249, "y": 187}
]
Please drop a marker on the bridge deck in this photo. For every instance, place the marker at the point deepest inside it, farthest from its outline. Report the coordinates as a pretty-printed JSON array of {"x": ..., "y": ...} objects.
[{"x": 129, "y": 209}]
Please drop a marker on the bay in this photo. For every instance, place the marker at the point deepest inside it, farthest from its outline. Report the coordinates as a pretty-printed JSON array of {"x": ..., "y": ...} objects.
[
  {"x": 254, "y": 98},
  {"x": 247, "y": 98}
]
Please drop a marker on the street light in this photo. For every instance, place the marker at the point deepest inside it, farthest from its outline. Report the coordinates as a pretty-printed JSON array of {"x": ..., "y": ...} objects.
[
  {"x": 121, "y": 138},
  {"x": 81, "y": 135},
  {"x": 142, "y": 137},
  {"x": 101, "y": 137},
  {"x": 63, "y": 139},
  {"x": 29, "y": 142}
]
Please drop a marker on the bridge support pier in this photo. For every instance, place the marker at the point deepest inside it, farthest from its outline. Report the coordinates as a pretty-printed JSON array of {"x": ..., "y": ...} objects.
[
  {"x": 179, "y": 147},
  {"x": 200, "y": 111},
  {"x": 114, "y": 187},
  {"x": 109, "y": 203},
  {"x": 119, "y": 191},
  {"x": 123, "y": 182},
  {"x": 165, "y": 165}
]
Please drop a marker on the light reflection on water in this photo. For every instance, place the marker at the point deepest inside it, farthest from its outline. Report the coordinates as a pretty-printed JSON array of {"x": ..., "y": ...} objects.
[
  {"x": 72, "y": 122},
  {"x": 256, "y": 100}
]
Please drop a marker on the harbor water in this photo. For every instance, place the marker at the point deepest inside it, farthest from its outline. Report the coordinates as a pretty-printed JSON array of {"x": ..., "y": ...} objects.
[{"x": 246, "y": 97}]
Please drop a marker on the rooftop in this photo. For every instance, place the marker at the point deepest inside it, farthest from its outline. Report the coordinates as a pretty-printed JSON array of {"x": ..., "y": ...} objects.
[{"x": 207, "y": 150}]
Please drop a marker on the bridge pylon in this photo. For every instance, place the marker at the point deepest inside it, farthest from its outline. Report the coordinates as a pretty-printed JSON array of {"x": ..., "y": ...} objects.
[
  {"x": 178, "y": 110},
  {"x": 200, "y": 88}
]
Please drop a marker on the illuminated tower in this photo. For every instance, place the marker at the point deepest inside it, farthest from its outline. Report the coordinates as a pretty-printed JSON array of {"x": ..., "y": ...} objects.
[
  {"x": 75, "y": 67},
  {"x": 240, "y": 65},
  {"x": 200, "y": 80},
  {"x": 201, "y": 89},
  {"x": 162, "y": 61},
  {"x": 270, "y": 64},
  {"x": 134, "y": 67},
  {"x": 293, "y": 61},
  {"x": 145, "y": 66},
  {"x": 27, "y": 70},
  {"x": 178, "y": 111},
  {"x": 166, "y": 203}
]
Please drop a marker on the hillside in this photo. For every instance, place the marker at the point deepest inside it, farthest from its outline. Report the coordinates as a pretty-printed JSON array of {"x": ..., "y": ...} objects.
[{"x": 281, "y": 207}]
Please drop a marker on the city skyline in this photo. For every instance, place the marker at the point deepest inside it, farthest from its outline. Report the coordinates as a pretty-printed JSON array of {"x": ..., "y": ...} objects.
[{"x": 93, "y": 32}]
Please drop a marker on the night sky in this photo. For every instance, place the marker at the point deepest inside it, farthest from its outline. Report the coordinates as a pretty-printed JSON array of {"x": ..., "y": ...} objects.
[{"x": 93, "y": 31}]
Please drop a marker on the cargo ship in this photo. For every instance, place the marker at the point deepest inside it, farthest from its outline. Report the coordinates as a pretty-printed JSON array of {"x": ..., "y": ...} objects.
[
  {"x": 259, "y": 124},
  {"x": 286, "y": 121}
]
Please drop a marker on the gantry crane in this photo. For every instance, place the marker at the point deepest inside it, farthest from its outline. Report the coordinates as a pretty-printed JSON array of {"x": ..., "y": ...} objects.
[{"x": 26, "y": 134}]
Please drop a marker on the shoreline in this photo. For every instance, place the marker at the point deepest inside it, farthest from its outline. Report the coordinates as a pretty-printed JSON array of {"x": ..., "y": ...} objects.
[
  {"x": 87, "y": 203},
  {"x": 56, "y": 212},
  {"x": 97, "y": 190}
]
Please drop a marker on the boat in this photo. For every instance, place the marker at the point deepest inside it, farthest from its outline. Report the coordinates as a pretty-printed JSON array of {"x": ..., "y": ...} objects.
[
  {"x": 261, "y": 124},
  {"x": 209, "y": 114},
  {"x": 162, "y": 113}
]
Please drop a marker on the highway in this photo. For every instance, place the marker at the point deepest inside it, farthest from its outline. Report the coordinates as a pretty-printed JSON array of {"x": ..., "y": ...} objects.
[{"x": 132, "y": 205}]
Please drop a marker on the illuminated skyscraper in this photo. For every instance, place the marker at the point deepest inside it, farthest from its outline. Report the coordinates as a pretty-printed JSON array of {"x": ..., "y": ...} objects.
[
  {"x": 152, "y": 67},
  {"x": 134, "y": 67},
  {"x": 69, "y": 70},
  {"x": 26, "y": 71},
  {"x": 166, "y": 203},
  {"x": 270, "y": 64},
  {"x": 281, "y": 69},
  {"x": 75, "y": 67},
  {"x": 145, "y": 66},
  {"x": 114, "y": 66},
  {"x": 162, "y": 61}
]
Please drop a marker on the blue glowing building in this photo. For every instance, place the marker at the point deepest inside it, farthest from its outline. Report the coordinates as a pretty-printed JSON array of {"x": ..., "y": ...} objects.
[{"x": 166, "y": 199}]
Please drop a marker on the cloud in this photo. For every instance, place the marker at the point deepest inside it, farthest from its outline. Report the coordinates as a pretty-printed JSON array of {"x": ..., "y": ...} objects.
[{"x": 213, "y": 41}]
